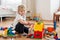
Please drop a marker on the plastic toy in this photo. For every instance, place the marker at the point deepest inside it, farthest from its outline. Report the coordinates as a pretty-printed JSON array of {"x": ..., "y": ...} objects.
[
  {"x": 50, "y": 29},
  {"x": 1, "y": 32},
  {"x": 57, "y": 39},
  {"x": 30, "y": 36},
  {"x": 36, "y": 18},
  {"x": 10, "y": 33},
  {"x": 5, "y": 32},
  {"x": 38, "y": 34},
  {"x": 4, "y": 28},
  {"x": 51, "y": 33},
  {"x": 54, "y": 32},
  {"x": 1, "y": 28},
  {"x": 38, "y": 30},
  {"x": 38, "y": 26}
]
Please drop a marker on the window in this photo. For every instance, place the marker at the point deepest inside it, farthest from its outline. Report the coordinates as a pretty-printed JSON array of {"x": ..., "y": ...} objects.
[{"x": 11, "y": 4}]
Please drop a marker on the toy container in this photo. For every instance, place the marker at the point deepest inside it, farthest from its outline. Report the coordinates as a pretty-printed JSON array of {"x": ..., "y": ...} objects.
[
  {"x": 39, "y": 26},
  {"x": 38, "y": 34}
]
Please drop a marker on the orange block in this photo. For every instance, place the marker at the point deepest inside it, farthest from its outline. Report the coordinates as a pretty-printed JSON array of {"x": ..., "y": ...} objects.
[{"x": 50, "y": 29}]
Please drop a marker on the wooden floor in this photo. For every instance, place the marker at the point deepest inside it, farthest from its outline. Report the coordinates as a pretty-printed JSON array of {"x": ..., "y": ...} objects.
[
  {"x": 20, "y": 39},
  {"x": 8, "y": 21}
]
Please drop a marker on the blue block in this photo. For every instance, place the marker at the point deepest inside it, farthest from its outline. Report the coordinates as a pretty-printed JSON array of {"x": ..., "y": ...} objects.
[
  {"x": 58, "y": 39},
  {"x": 1, "y": 28},
  {"x": 9, "y": 28},
  {"x": 10, "y": 32},
  {"x": 36, "y": 18}
]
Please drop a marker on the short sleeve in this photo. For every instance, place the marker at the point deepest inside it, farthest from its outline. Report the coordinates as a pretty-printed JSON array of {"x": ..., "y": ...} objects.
[{"x": 18, "y": 17}]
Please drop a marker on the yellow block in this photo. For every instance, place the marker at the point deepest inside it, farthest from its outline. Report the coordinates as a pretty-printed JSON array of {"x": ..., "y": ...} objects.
[
  {"x": 5, "y": 32},
  {"x": 38, "y": 27}
]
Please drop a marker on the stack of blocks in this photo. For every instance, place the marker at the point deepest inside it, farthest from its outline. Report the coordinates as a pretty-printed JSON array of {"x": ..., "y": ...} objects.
[
  {"x": 38, "y": 30},
  {"x": 6, "y": 32}
]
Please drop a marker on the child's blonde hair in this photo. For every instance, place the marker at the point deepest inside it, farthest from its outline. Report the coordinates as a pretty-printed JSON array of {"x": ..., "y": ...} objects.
[{"x": 21, "y": 8}]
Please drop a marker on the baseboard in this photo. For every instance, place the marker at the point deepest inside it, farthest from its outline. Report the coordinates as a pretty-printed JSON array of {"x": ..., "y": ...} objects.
[{"x": 48, "y": 20}]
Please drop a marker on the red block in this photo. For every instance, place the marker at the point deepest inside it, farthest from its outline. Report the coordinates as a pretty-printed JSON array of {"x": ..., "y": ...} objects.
[
  {"x": 38, "y": 34},
  {"x": 4, "y": 28}
]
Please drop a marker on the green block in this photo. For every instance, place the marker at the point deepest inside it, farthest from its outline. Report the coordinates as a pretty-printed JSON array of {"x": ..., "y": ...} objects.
[{"x": 10, "y": 35}]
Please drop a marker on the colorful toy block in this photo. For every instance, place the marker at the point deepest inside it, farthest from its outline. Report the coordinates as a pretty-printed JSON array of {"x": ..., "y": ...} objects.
[
  {"x": 50, "y": 29},
  {"x": 5, "y": 32},
  {"x": 10, "y": 32},
  {"x": 38, "y": 26},
  {"x": 38, "y": 34},
  {"x": 1, "y": 28}
]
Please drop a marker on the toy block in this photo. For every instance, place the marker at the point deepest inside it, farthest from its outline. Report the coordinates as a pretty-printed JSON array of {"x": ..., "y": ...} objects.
[
  {"x": 38, "y": 34},
  {"x": 50, "y": 29},
  {"x": 5, "y": 32},
  {"x": 38, "y": 26}
]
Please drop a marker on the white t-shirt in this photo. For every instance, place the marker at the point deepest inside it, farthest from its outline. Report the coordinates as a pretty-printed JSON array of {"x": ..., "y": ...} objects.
[{"x": 18, "y": 17}]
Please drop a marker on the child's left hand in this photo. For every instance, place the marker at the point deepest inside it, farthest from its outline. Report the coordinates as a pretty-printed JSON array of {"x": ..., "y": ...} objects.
[{"x": 30, "y": 23}]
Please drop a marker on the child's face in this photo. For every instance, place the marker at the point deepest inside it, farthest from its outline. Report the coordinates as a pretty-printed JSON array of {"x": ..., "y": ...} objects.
[{"x": 21, "y": 12}]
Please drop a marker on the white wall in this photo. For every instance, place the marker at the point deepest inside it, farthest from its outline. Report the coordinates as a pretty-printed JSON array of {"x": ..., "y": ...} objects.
[
  {"x": 59, "y": 2},
  {"x": 24, "y": 3},
  {"x": 43, "y": 7},
  {"x": 0, "y": 2},
  {"x": 30, "y": 5},
  {"x": 54, "y": 5},
  {"x": 46, "y": 8}
]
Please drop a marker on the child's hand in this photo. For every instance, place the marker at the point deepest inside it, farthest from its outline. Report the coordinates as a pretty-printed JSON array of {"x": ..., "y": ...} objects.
[{"x": 30, "y": 23}]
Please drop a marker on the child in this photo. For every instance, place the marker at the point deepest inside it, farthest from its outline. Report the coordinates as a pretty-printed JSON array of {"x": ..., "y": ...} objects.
[{"x": 20, "y": 21}]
